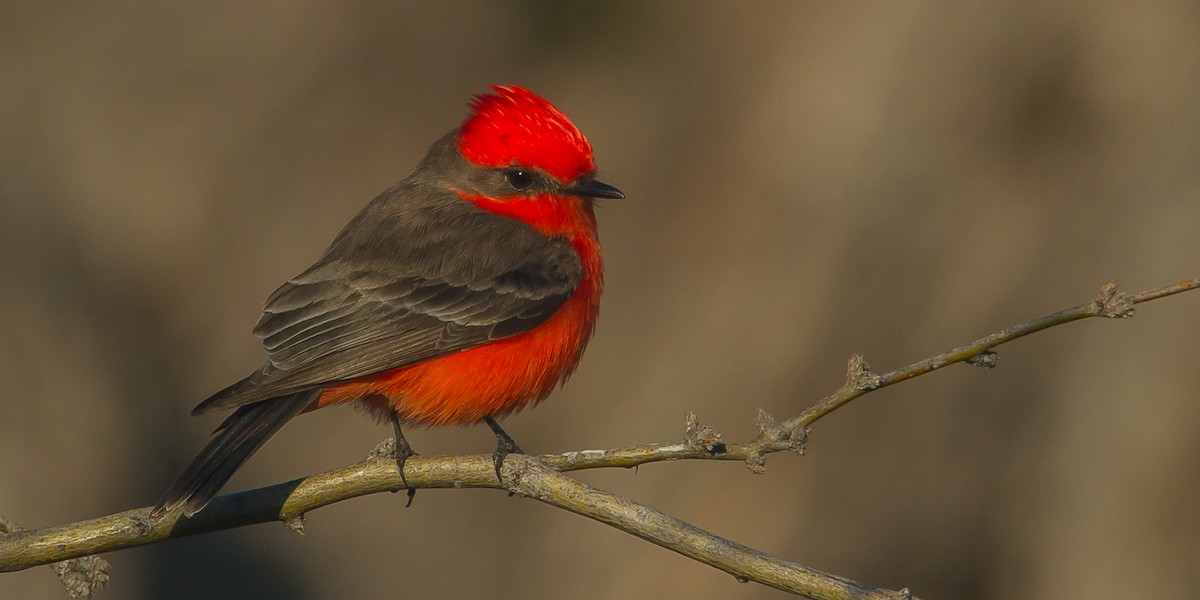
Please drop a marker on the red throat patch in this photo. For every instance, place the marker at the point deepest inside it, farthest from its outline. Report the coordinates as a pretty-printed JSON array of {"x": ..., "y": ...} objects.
[{"x": 514, "y": 126}]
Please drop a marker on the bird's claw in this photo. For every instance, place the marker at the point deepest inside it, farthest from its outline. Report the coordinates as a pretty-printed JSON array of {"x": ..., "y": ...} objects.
[
  {"x": 401, "y": 453},
  {"x": 504, "y": 446}
]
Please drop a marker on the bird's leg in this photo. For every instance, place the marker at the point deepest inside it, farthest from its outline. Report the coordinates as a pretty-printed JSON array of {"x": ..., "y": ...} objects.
[
  {"x": 402, "y": 452},
  {"x": 504, "y": 445}
]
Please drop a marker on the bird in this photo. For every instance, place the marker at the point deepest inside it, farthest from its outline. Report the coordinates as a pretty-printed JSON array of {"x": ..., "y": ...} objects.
[{"x": 458, "y": 296}]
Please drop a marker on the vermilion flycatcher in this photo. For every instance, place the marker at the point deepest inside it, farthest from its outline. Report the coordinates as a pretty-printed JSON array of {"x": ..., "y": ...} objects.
[{"x": 462, "y": 294}]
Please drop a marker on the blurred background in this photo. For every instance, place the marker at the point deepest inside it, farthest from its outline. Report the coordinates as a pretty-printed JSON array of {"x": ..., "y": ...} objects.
[{"x": 804, "y": 182}]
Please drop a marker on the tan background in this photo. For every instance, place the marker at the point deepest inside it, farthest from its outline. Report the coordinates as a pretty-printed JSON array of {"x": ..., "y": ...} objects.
[{"x": 805, "y": 181}]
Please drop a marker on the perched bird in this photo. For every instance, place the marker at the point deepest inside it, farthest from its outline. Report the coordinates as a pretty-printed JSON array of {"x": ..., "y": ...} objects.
[{"x": 460, "y": 295}]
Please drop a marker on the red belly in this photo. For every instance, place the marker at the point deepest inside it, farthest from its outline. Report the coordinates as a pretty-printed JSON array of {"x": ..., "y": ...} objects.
[{"x": 494, "y": 379}]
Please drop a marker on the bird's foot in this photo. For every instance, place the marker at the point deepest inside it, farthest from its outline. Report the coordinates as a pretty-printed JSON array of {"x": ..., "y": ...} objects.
[
  {"x": 504, "y": 446},
  {"x": 401, "y": 453}
]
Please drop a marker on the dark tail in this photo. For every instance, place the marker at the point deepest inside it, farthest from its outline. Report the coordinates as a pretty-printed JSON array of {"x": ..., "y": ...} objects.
[{"x": 241, "y": 435}]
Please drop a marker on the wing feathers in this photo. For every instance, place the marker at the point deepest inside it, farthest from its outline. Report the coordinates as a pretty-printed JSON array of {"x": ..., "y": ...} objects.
[{"x": 395, "y": 289}]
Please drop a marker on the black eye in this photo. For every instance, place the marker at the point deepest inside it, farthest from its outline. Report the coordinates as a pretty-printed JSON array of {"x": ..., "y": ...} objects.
[{"x": 518, "y": 179}]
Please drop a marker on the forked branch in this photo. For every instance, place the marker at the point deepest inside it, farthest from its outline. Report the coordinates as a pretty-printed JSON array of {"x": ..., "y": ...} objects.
[{"x": 541, "y": 478}]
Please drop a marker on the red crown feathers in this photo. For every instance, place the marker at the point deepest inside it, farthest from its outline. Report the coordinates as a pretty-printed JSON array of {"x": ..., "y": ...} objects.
[{"x": 514, "y": 126}]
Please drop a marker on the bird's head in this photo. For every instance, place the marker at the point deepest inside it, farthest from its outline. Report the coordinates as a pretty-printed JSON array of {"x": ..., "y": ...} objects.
[{"x": 521, "y": 146}]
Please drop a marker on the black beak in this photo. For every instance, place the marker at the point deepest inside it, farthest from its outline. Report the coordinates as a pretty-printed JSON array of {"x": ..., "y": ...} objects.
[{"x": 590, "y": 188}]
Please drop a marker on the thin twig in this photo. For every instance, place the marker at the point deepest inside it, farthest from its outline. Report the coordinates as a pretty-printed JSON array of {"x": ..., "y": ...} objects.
[
  {"x": 1112, "y": 304},
  {"x": 541, "y": 477}
]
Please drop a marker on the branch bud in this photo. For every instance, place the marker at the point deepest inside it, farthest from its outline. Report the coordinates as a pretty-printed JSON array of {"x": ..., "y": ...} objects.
[
  {"x": 859, "y": 375},
  {"x": 696, "y": 435},
  {"x": 1113, "y": 303}
]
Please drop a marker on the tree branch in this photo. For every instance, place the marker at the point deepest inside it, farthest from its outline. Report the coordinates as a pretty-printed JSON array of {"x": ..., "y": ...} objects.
[
  {"x": 541, "y": 477},
  {"x": 81, "y": 577}
]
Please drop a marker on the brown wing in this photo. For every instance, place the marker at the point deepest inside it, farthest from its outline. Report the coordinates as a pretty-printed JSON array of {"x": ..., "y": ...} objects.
[{"x": 391, "y": 291}]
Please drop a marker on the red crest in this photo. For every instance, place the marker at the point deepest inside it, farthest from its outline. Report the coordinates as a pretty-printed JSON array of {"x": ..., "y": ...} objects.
[{"x": 514, "y": 126}]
